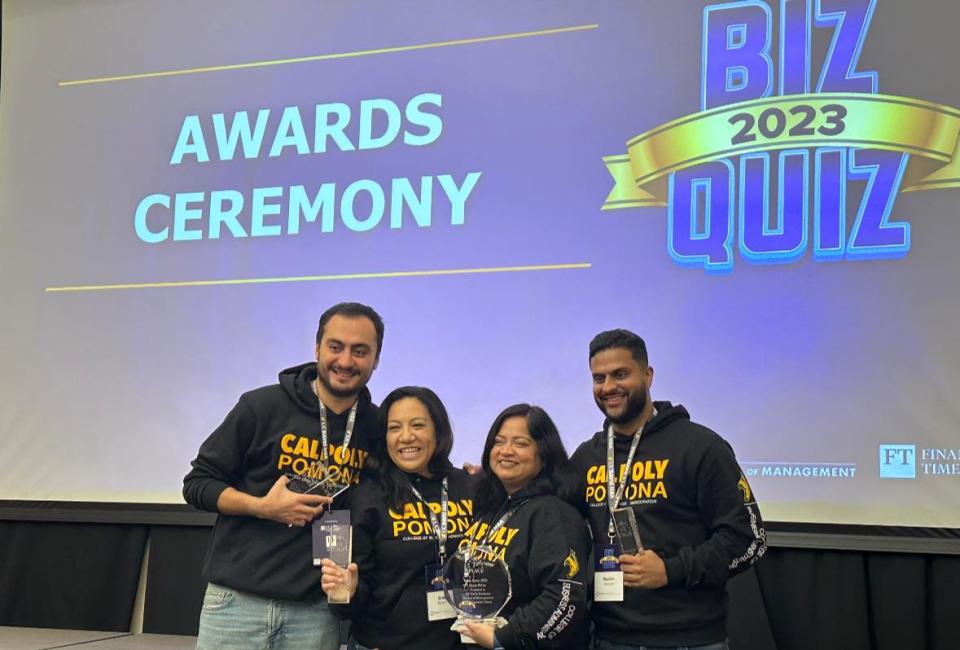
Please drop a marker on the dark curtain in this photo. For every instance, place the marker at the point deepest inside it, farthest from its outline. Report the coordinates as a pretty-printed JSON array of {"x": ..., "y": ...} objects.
[
  {"x": 69, "y": 575},
  {"x": 84, "y": 576},
  {"x": 174, "y": 585},
  {"x": 826, "y": 600}
]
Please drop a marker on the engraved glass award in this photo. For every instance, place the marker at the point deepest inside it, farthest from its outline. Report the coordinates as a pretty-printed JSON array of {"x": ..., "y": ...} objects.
[
  {"x": 477, "y": 585},
  {"x": 333, "y": 540},
  {"x": 320, "y": 478},
  {"x": 625, "y": 527}
]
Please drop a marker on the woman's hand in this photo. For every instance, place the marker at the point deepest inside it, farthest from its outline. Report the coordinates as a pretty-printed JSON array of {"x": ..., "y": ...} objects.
[
  {"x": 481, "y": 633},
  {"x": 338, "y": 582}
]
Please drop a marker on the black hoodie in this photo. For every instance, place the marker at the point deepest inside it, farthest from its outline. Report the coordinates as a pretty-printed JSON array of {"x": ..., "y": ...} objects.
[
  {"x": 272, "y": 431},
  {"x": 694, "y": 508},
  {"x": 546, "y": 546},
  {"x": 392, "y": 548}
]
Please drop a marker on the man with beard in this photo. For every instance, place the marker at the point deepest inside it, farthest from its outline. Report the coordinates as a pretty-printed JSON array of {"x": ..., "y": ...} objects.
[
  {"x": 696, "y": 521},
  {"x": 260, "y": 471}
]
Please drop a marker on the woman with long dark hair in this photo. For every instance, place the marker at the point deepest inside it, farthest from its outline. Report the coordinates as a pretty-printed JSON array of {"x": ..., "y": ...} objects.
[
  {"x": 406, "y": 522},
  {"x": 521, "y": 515}
]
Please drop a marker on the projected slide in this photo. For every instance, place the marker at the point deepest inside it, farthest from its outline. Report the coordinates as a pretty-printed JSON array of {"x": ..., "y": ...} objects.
[{"x": 766, "y": 191}]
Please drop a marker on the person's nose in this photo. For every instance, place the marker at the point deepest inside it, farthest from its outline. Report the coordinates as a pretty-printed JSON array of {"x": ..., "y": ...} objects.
[
  {"x": 608, "y": 385},
  {"x": 345, "y": 359}
]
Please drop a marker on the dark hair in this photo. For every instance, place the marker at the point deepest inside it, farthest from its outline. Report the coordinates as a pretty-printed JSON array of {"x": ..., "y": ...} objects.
[
  {"x": 392, "y": 480},
  {"x": 353, "y": 310},
  {"x": 556, "y": 475},
  {"x": 620, "y": 338}
]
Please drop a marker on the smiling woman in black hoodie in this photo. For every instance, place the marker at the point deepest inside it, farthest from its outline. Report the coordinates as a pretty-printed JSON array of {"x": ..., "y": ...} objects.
[
  {"x": 395, "y": 517},
  {"x": 543, "y": 539}
]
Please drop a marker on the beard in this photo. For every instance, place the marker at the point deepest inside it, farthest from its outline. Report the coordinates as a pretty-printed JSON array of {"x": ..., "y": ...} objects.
[
  {"x": 636, "y": 402},
  {"x": 323, "y": 376}
]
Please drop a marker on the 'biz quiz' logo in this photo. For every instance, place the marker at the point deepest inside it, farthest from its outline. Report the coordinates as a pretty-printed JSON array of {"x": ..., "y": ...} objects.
[{"x": 768, "y": 161}]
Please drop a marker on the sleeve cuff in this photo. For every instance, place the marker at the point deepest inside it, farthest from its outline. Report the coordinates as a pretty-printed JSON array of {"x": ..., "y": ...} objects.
[
  {"x": 504, "y": 637},
  {"x": 676, "y": 574},
  {"x": 211, "y": 494}
]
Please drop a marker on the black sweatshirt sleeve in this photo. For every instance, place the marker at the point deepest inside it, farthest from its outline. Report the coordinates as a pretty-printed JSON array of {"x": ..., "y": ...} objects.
[
  {"x": 736, "y": 537},
  {"x": 579, "y": 479},
  {"x": 557, "y": 565},
  {"x": 220, "y": 461}
]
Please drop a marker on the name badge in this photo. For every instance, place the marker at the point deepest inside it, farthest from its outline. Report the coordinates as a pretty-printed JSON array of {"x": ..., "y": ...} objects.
[
  {"x": 607, "y": 578},
  {"x": 438, "y": 608}
]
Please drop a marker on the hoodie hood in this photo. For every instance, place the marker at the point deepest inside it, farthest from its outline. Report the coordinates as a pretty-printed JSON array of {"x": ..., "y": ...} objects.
[
  {"x": 667, "y": 414},
  {"x": 297, "y": 383}
]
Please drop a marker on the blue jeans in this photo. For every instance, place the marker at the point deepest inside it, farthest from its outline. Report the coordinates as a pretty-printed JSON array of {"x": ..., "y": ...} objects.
[
  {"x": 236, "y": 620},
  {"x": 599, "y": 644}
]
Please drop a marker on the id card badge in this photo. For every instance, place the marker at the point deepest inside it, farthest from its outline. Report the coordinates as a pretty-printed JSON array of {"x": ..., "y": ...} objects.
[
  {"x": 607, "y": 577},
  {"x": 438, "y": 608}
]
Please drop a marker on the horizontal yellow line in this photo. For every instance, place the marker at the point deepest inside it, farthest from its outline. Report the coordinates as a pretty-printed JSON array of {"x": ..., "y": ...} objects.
[
  {"x": 326, "y": 57},
  {"x": 320, "y": 278}
]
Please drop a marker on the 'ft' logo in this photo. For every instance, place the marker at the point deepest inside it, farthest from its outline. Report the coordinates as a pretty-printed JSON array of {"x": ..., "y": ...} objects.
[{"x": 898, "y": 461}]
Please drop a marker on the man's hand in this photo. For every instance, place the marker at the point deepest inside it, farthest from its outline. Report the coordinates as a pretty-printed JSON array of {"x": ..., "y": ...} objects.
[
  {"x": 472, "y": 469},
  {"x": 644, "y": 570},
  {"x": 337, "y": 581},
  {"x": 481, "y": 634},
  {"x": 292, "y": 508}
]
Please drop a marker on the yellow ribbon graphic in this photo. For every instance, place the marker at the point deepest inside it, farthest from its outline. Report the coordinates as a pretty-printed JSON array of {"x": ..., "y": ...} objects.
[{"x": 926, "y": 130}]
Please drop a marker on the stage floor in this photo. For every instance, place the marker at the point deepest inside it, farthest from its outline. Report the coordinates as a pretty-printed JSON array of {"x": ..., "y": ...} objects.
[{"x": 34, "y": 638}]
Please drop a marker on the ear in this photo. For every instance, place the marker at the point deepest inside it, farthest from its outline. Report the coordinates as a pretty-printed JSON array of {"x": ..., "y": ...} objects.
[
  {"x": 316, "y": 352},
  {"x": 376, "y": 362},
  {"x": 649, "y": 377}
]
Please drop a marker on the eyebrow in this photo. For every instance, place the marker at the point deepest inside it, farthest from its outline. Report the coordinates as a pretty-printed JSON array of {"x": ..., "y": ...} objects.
[
  {"x": 351, "y": 346},
  {"x": 416, "y": 418},
  {"x": 611, "y": 371}
]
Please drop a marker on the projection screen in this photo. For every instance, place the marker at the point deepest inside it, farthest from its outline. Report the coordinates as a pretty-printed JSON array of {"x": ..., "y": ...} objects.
[{"x": 764, "y": 190}]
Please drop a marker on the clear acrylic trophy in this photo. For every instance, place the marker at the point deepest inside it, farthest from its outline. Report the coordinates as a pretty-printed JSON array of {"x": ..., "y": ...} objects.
[
  {"x": 333, "y": 540},
  {"x": 477, "y": 585},
  {"x": 322, "y": 479}
]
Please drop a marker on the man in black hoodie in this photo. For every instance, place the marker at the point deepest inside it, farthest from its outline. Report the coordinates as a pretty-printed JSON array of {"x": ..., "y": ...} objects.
[
  {"x": 264, "y": 590},
  {"x": 696, "y": 517}
]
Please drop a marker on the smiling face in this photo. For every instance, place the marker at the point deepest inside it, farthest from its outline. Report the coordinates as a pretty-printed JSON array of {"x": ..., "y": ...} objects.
[
  {"x": 515, "y": 457},
  {"x": 346, "y": 355},
  {"x": 621, "y": 386},
  {"x": 411, "y": 436}
]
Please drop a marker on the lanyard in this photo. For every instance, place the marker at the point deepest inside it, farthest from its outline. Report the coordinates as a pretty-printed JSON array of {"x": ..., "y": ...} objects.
[
  {"x": 500, "y": 523},
  {"x": 324, "y": 436},
  {"x": 614, "y": 493},
  {"x": 439, "y": 527}
]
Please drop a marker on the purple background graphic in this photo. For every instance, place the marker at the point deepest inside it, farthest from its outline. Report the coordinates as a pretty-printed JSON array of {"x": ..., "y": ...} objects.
[{"x": 108, "y": 394}]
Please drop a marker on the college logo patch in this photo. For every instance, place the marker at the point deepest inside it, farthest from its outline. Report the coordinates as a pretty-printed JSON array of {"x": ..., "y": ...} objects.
[
  {"x": 571, "y": 564},
  {"x": 744, "y": 488}
]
